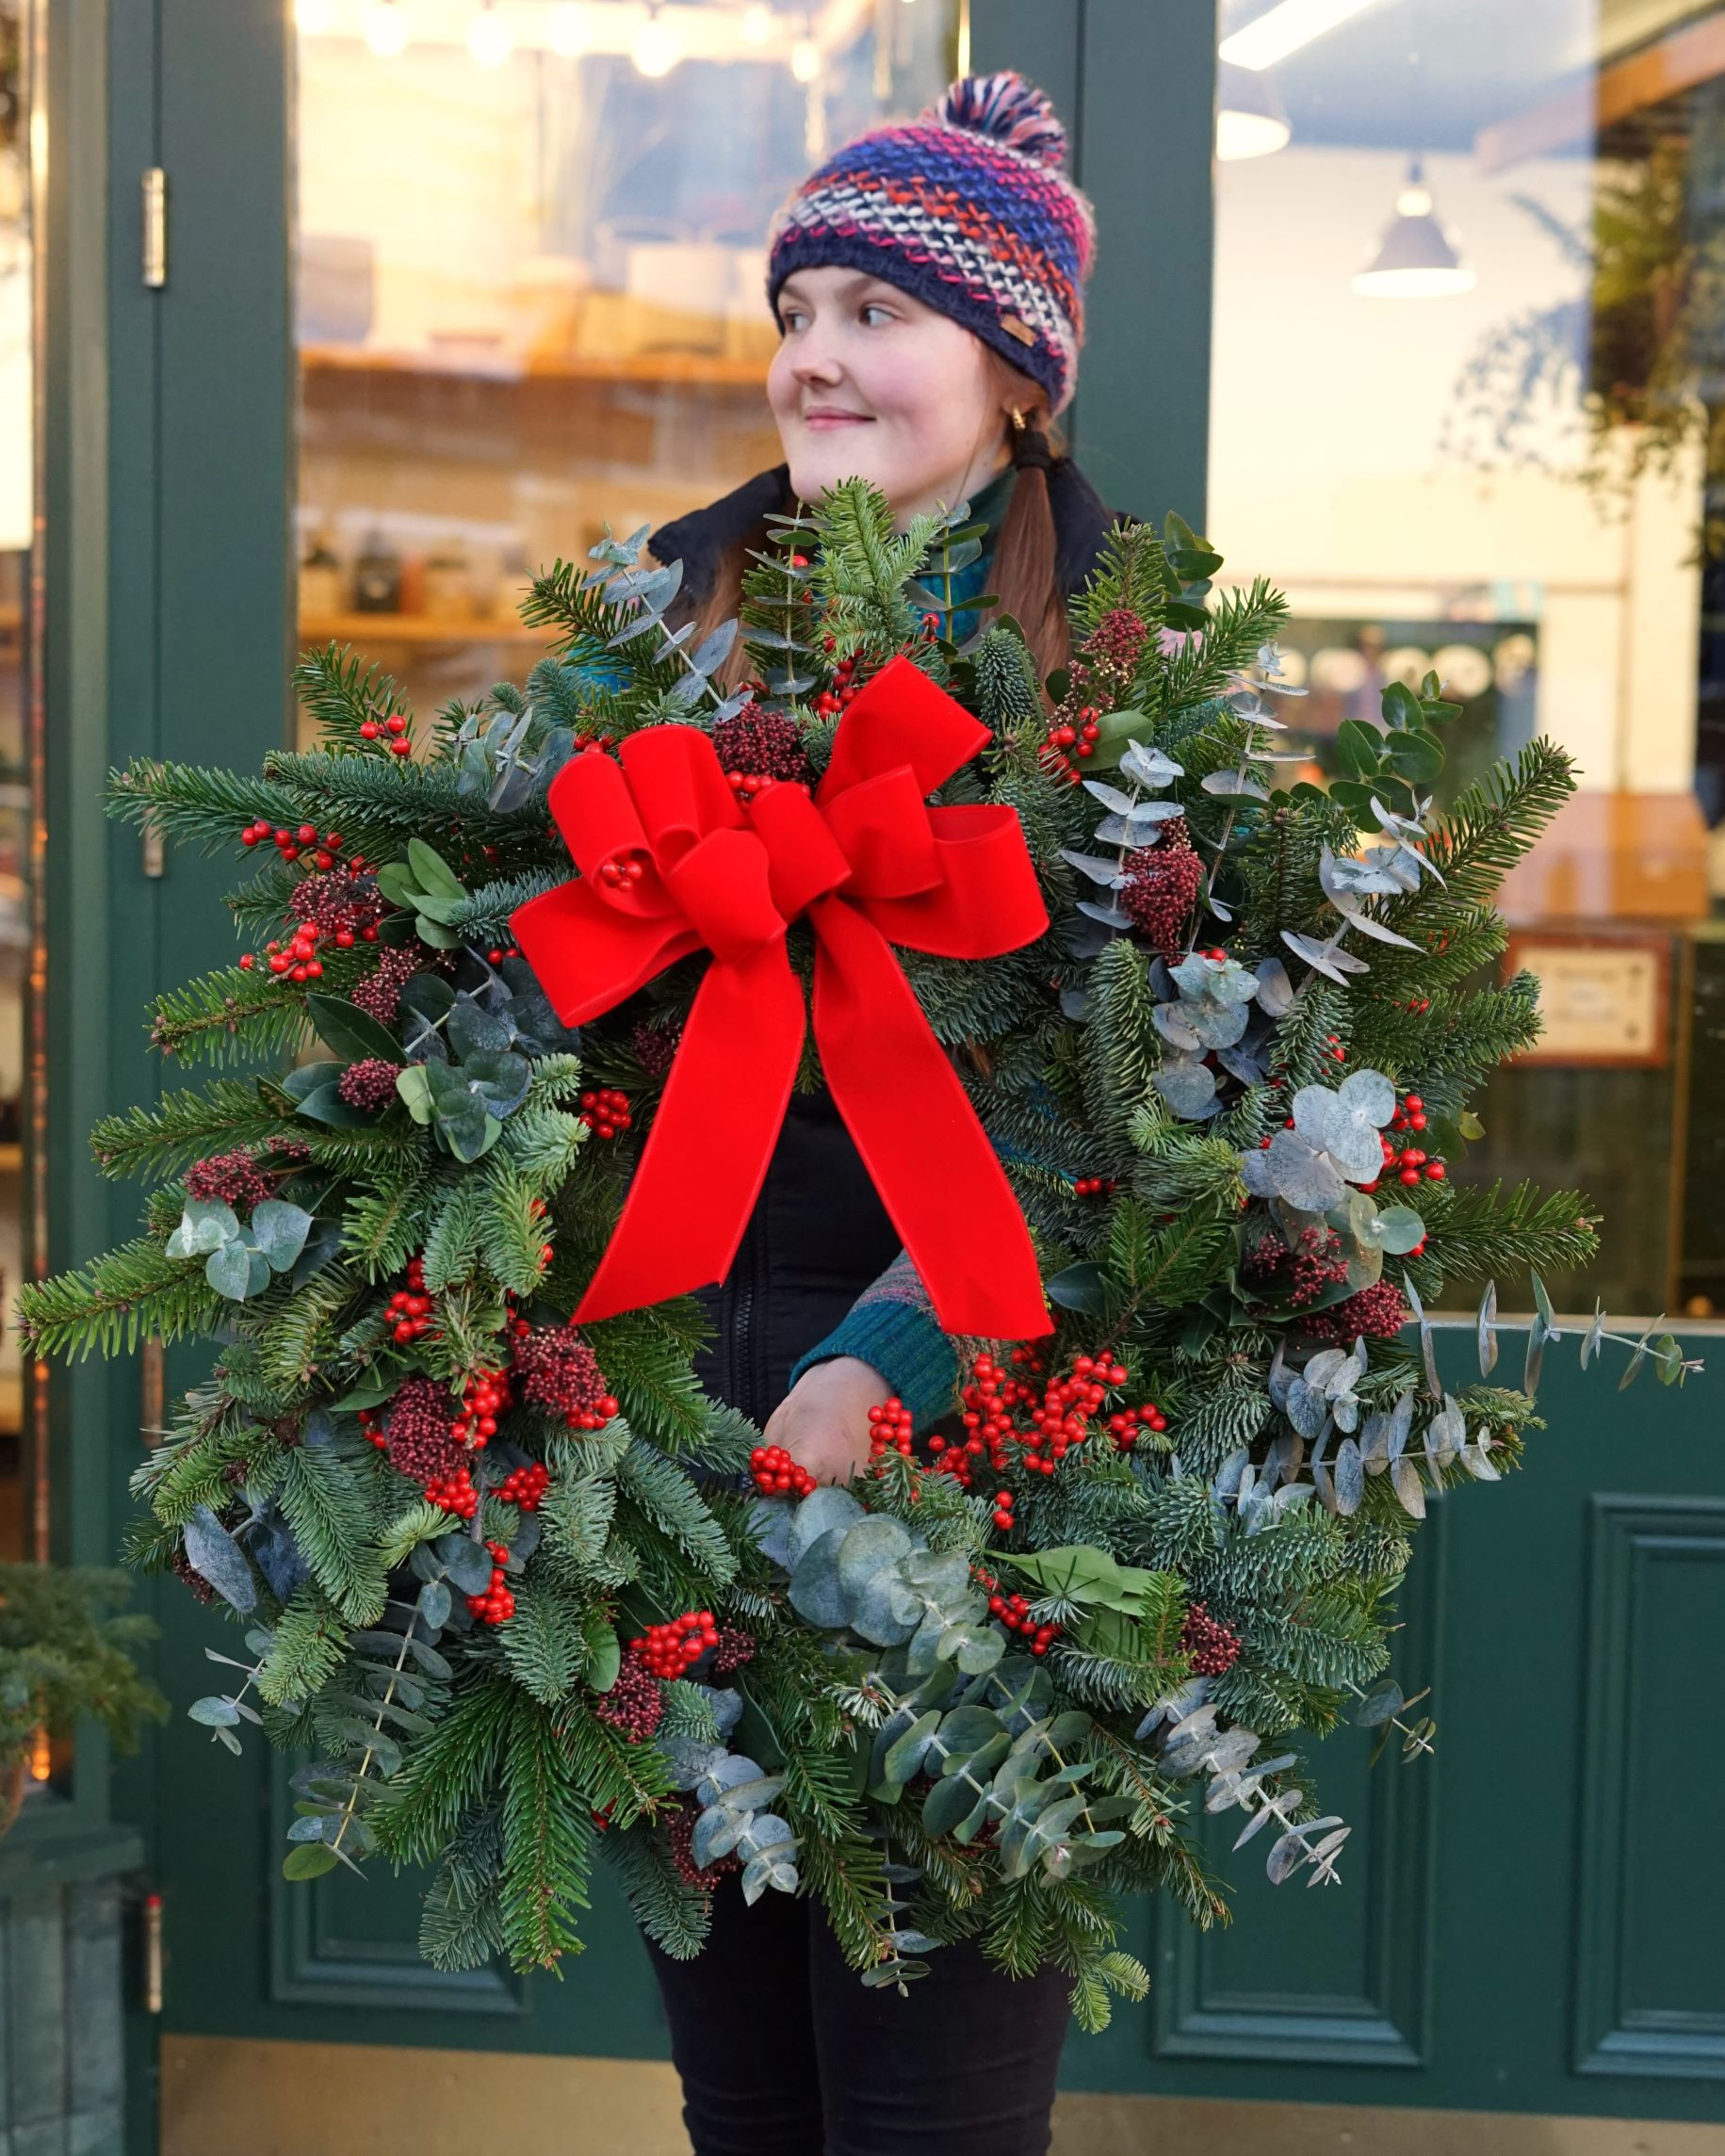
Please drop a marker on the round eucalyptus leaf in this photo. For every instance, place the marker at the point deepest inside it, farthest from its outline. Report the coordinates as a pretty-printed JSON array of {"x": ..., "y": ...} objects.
[
  {"x": 867, "y": 1549},
  {"x": 827, "y": 1507},
  {"x": 816, "y": 1592},
  {"x": 1350, "y": 1478}
]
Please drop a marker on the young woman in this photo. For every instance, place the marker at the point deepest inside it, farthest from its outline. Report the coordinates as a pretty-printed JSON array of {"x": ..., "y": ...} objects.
[{"x": 928, "y": 282}]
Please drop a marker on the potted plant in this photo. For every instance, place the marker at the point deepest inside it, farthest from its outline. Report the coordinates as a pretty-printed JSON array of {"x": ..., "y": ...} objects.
[{"x": 65, "y": 1652}]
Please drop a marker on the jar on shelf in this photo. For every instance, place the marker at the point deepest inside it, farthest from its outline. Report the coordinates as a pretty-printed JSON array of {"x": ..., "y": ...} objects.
[
  {"x": 446, "y": 592},
  {"x": 321, "y": 587},
  {"x": 377, "y": 577}
]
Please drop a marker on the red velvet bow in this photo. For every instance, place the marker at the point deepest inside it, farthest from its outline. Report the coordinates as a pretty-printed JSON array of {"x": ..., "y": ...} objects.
[{"x": 870, "y": 864}]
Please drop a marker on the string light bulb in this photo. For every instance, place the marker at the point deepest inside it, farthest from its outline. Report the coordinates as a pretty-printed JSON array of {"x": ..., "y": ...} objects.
[
  {"x": 805, "y": 60},
  {"x": 314, "y": 18},
  {"x": 490, "y": 41},
  {"x": 568, "y": 33},
  {"x": 657, "y": 48},
  {"x": 386, "y": 28},
  {"x": 757, "y": 25}
]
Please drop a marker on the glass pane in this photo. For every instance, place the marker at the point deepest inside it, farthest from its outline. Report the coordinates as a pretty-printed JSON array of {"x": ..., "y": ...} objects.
[
  {"x": 530, "y": 271},
  {"x": 23, "y": 1503},
  {"x": 1470, "y": 291}
]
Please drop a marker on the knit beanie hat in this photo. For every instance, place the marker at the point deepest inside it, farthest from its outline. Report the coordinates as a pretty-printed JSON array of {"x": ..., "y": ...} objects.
[{"x": 967, "y": 209}]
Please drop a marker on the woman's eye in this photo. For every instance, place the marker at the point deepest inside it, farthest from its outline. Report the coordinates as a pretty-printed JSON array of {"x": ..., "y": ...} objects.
[
  {"x": 791, "y": 318},
  {"x": 876, "y": 312}
]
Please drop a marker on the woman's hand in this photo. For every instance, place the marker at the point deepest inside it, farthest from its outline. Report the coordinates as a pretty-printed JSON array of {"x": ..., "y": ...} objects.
[{"x": 822, "y": 1422}]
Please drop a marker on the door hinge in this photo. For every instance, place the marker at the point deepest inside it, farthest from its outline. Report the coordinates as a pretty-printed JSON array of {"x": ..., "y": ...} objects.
[
  {"x": 153, "y": 1394},
  {"x": 151, "y": 1946},
  {"x": 156, "y": 228}
]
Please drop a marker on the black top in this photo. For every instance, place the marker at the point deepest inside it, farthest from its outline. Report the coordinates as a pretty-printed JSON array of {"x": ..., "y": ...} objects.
[{"x": 819, "y": 1235}]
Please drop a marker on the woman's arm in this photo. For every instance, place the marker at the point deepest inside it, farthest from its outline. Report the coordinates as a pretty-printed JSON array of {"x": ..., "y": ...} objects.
[{"x": 889, "y": 1343}]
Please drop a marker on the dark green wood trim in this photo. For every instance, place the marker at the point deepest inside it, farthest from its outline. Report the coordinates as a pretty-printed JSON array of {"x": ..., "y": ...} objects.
[{"x": 1630, "y": 1537}]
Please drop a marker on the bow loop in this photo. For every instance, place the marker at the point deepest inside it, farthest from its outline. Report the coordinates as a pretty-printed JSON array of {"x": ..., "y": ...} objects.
[{"x": 721, "y": 884}]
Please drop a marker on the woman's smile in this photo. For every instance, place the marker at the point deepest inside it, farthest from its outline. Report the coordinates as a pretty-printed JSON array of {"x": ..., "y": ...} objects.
[{"x": 823, "y": 417}]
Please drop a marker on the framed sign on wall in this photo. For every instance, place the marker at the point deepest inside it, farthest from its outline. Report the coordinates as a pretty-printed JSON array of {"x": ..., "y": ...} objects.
[{"x": 1605, "y": 999}]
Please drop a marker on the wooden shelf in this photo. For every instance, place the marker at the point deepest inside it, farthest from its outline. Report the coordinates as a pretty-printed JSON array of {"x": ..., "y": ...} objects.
[
  {"x": 420, "y": 629},
  {"x": 714, "y": 370}
]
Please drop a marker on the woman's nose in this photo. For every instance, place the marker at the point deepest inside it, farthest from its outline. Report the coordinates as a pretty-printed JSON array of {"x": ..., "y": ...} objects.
[{"x": 816, "y": 362}]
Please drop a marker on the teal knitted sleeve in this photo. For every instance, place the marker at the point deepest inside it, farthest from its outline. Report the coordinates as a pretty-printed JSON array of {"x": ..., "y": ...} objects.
[{"x": 892, "y": 1325}]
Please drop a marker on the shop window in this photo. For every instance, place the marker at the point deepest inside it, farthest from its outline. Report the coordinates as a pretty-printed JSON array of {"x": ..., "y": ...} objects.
[
  {"x": 1470, "y": 318},
  {"x": 530, "y": 285}
]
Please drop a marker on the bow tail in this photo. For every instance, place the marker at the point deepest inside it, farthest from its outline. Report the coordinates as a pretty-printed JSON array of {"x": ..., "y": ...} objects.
[
  {"x": 694, "y": 1186},
  {"x": 926, "y": 1153}
]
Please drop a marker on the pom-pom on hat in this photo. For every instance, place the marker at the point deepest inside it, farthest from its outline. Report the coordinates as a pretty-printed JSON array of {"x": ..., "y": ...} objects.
[{"x": 966, "y": 208}]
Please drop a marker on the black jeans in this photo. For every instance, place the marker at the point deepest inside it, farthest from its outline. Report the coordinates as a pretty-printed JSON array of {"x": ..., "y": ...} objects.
[{"x": 783, "y": 2051}]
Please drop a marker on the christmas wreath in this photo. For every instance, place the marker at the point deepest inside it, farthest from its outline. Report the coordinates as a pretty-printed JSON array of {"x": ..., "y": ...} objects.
[{"x": 519, "y": 1594}]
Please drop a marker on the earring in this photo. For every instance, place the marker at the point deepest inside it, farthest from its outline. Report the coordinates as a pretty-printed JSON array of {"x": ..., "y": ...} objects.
[{"x": 1018, "y": 420}]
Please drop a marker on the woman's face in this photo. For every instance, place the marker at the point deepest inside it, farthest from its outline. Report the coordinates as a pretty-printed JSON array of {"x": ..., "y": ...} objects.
[{"x": 871, "y": 384}]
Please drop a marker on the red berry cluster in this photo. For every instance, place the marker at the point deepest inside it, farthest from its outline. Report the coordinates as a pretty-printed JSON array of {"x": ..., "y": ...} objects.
[
  {"x": 395, "y": 730},
  {"x": 892, "y": 1427},
  {"x": 1408, "y": 1164},
  {"x": 497, "y": 1605},
  {"x": 1002, "y": 1511},
  {"x": 595, "y": 744},
  {"x": 1162, "y": 886},
  {"x": 370, "y": 1084},
  {"x": 757, "y": 748},
  {"x": 498, "y": 952},
  {"x": 1013, "y": 1612},
  {"x": 1017, "y": 1421},
  {"x": 623, "y": 870},
  {"x": 606, "y": 1111},
  {"x": 560, "y": 1372},
  {"x": 1208, "y": 1643},
  {"x": 290, "y": 844},
  {"x": 832, "y": 700},
  {"x": 1124, "y": 1425},
  {"x": 484, "y": 1397},
  {"x": 454, "y": 1493},
  {"x": 634, "y": 1704},
  {"x": 1374, "y": 1313},
  {"x": 778, "y": 1475},
  {"x": 667, "y": 1650},
  {"x": 1333, "y": 1047},
  {"x": 1310, "y": 1267},
  {"x": 1068, "y": 739},
  {"x": 230, "y": 1179},
  {"x": 420, "y": 1432},
  {"x": 409, "y": 1308},
  {"x": 1094, "y": 1187},
  {"x": 1418, "y": 1005},
  {"x": 524, "y": 1487}
]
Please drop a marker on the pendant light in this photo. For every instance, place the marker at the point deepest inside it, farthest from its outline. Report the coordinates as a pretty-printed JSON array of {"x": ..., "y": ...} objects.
[
  {"x": 1415, "y": 257},
  {"x": 1250, "y": 119},
  {"x": 658, "y": 47},
  {"x": 386, "y": 28},
  {"x": 490, "y": 41}
]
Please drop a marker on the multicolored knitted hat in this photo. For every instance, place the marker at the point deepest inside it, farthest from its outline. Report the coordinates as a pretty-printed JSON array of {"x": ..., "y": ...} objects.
[{"x": 967, "y": 209}]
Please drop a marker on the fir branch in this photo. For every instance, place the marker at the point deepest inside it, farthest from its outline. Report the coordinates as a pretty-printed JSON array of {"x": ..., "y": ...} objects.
[
  {"x": 116, "y": 1300},
  {"x": 182, "y": 1127}
]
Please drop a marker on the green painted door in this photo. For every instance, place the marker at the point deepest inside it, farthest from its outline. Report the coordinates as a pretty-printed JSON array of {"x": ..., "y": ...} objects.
[{"x": 1527, "y": 1920}]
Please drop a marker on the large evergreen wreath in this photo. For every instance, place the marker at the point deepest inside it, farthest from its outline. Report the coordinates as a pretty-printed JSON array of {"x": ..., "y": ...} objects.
[{"x": 519, "y": 1594}]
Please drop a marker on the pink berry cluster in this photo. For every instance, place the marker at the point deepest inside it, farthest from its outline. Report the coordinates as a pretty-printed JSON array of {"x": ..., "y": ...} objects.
[
  {"x": 1211, "y": 1648},
  {"x": 1162, "y": 886},
  {"x": 557, "y": 1372},
  {"x": 757, "y": 749},
  {"x": 370, "y": 1084},
  {"x": 634, "y": 1704},
  {"x": 230, "y": 1179}
]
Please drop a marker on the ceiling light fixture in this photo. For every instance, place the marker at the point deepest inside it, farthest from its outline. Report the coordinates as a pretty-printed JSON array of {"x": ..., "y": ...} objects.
[
  {"x": 314, "y": 18},
  {"x": 1286, "y": 28},
  {"x": 568, "y": 34},
  {"x": 1415, "y": 258},
  {"x": 657, "y": 48},
  {"x": 1251, "y": 121},
  {"x": 757, "y": 25},
  {"x": 805, "y": 60},
  {"x": 386, "y": 28},
  {"x": 490, "y": 41}
]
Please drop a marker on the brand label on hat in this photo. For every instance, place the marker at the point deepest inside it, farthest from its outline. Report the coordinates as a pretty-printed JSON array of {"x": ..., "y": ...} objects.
[{"x": 1015, "y": 328}]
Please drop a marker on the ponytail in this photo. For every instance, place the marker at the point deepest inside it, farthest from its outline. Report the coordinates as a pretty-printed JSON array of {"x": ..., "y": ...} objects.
[{"x": 1026, "y": 574}]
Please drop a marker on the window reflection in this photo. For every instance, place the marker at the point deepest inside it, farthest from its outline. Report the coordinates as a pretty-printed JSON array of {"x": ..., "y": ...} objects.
[
  {"x": 22, "y": 1506},
  {"x": 530, "y": 271},
  {"x": 1470, "y": 293}
]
